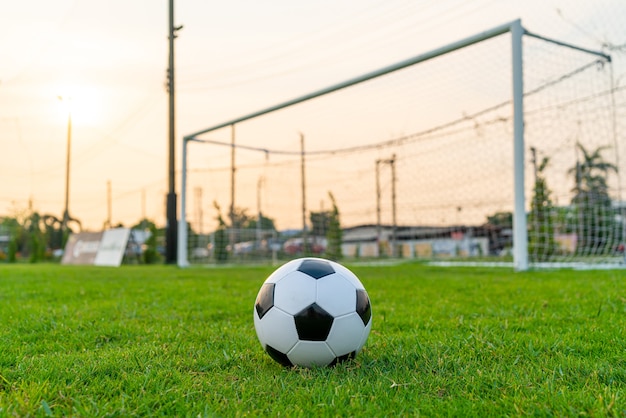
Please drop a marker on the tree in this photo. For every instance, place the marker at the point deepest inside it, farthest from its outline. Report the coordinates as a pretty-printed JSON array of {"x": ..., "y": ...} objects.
[
  {"x": 504, "y": 219},
  {"x": 262, "y": 229},
  {"x": 320, "y": 222},
  {"x": 267, "y": 224},
  {"x": 240, "y": 218},
  {"x": 541, "y": 244},
  {"x": 53, "y": 230},
  {"x": 14, "y": 224},
  {"x": 334, "y": 233},
  {"x": 592, "y": 201},
  {"x": 150, "y": 254},
  {"x": 32, "y": 235},
  {"x": 327, "y": 224},
  {"x": 36, "y": 241},
  {"x": 498, "y": 228},
  {"x": 14, "y": 229}
]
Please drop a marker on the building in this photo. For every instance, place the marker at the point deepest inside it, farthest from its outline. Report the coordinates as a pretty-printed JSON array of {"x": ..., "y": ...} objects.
[{"x": 371, "y": 241}]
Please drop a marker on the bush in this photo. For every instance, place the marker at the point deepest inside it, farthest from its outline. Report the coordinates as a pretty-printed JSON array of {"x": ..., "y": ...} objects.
[
  {"x": 150, "y": 254},
  {"x": 12, "y": 250}
]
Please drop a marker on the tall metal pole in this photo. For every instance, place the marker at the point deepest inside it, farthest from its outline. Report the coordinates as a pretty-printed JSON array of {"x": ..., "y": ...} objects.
[{"x": 171, "y": 227}]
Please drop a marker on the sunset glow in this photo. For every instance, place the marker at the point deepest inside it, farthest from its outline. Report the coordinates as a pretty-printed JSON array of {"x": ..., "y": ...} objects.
[{"x": 108, "y": 62}]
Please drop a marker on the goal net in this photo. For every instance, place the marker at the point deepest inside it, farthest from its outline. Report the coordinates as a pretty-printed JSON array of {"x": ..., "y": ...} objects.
[{"x": 419, "y": 162}]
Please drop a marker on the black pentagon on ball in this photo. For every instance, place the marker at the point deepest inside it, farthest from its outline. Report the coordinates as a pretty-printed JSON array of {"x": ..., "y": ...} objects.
[
  {"x": 316, "y": 268},
  {"x": 278, "y": 356},
  {"x": 265, "y": 299},
  {"x": 363, "y": 307},
  {"x": 313, "y": 323}
]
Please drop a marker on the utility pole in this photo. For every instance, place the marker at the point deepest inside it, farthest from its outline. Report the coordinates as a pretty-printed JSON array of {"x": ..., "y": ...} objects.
[
  {"x": 378, "y": 226},
  {"x": 231, "y": 212},
  {"x": 199, "y": 211},
  {"x": 305, "y": 245},
  {"x": 172, "y": 221},
  {"x": 392, "y": 162},
  {"x": 259, "y": 213},
  {"x": 143, "y": 204},
  {"x": 393, "y": 206},
  {"x": 107, "y": 224},
  {"x": 66, "y": 210}
]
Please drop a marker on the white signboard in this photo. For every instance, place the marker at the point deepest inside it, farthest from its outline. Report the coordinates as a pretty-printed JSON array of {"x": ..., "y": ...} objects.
[
  {"x": 112, "y": 247},
  {"x": 81, "y": 248}
]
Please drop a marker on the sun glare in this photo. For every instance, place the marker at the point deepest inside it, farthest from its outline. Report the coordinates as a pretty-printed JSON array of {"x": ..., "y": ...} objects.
[{"x": 85, "y": 103}]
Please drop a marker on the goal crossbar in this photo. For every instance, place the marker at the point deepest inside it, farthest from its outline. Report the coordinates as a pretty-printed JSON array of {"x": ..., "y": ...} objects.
[{"x": 499, "y": 30}]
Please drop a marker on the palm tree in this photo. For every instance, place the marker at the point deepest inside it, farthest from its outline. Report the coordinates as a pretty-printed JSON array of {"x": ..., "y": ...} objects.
[
  {"x": 592, "y": 200},
  {"x": 541, "y": 243},
  {"x": 591, "y": 173}
]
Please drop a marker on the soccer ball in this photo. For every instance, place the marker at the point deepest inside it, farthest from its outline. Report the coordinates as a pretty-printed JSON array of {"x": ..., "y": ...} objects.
[{"x": 312, "y": 312}]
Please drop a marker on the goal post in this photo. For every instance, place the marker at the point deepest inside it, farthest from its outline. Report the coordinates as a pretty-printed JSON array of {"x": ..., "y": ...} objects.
[
  {"x": 509, "y": 109},
  {"x": 520, "y": 234}
]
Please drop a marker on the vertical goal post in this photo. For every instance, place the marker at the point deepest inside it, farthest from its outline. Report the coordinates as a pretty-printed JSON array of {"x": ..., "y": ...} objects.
[{"x": 517, "y": 32}]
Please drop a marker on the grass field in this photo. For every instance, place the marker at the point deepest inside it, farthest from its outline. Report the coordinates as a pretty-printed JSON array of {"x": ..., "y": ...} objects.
[{"x": 158, "y": 340}]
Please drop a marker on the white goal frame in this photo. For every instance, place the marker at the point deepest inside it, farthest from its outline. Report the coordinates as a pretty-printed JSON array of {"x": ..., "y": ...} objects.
[{"x": 517, "y": 31}]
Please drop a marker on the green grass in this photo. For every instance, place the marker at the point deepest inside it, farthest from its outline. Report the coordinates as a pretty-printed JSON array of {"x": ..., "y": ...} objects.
[{"x": 445, "y": 341}]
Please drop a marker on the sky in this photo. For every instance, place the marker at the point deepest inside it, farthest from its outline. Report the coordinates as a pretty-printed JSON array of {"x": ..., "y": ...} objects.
[{"x": 108, "y": 60}]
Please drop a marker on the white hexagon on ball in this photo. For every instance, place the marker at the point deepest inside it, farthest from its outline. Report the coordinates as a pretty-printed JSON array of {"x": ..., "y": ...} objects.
[
  {"x": 311, "y": 353},
  {"x": 282, "y": 271},
  {"x": 345, "y": 330},
  {"x": 336, "y": 294},
  {"x": 349, "y": 275},
  {"x": 278, "y": 330},
  {"x": 294, "y": 292}
]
